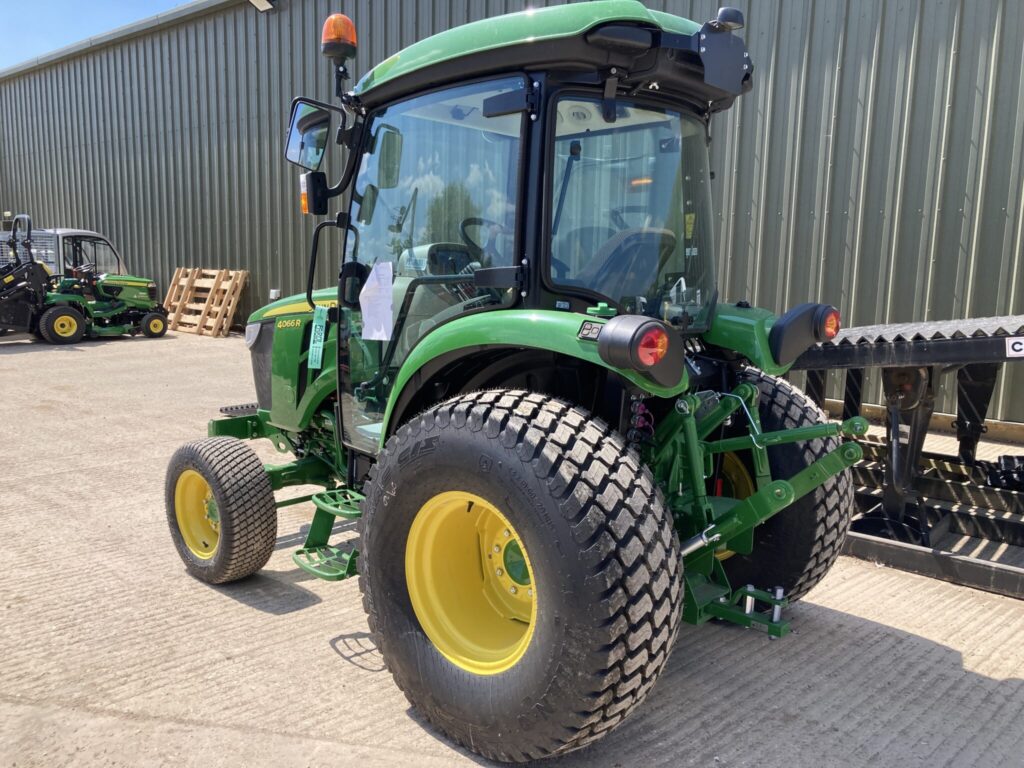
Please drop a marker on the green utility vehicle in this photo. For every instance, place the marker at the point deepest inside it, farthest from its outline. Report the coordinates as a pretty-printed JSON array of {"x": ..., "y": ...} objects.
[
  {"x": 63, "y": 285},
  {"x": 557, "y": 440}
]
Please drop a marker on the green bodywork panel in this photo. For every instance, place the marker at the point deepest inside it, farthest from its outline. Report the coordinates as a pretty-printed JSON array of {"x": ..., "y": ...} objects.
[
  {"x": 534, "y": 25},
  {"x": 525, "y": 328},
  {"x": 745, "y": 330},
  {"x": 134, "y": 294},
  {"x": 293, "y": 406}
]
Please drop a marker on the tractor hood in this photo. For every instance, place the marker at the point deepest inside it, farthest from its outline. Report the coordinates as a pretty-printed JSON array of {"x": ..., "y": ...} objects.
[
  {"x": 129, "y": 280},
  {"x": 704, "y": 64},
  {"x": 295, "y": 305}
]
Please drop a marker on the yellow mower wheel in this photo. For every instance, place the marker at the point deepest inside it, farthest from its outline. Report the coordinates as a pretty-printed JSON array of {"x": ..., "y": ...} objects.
[
  {"x": 154, "y": 325},
  {"x": 62, "y": 325}
]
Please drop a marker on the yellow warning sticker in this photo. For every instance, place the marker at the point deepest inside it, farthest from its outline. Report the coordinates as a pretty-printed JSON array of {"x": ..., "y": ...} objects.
[
  {"x": 690, "y": 219},
  {"x": 9, "y": 278}
]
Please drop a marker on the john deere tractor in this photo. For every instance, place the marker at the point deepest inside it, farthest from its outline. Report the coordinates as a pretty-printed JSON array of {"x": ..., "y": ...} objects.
[
  {"x": 559, "y": 442},
  {"x": 88, "y": 296}
]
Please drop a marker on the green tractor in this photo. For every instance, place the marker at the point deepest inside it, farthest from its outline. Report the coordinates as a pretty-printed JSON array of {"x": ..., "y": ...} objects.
[
  {"x": 79, "y": 290},
  {"x": 557, "y": 440}
]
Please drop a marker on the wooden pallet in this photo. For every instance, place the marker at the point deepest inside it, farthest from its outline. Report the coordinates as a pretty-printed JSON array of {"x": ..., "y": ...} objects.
[{"x": 203, "y": 301}]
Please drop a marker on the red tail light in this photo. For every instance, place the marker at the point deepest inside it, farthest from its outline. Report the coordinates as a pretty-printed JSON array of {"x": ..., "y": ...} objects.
[
  {"x": 652, "y": 347},
  {"x": 830, "y": 325}
]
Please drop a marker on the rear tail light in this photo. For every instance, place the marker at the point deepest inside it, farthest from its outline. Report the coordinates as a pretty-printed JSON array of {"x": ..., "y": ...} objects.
[
  {"x": 830, "y": 324},
  {"x": 642, "y": 344},
  {"x": 800, "y": 329},
  {"x": 652, "y": 347}
]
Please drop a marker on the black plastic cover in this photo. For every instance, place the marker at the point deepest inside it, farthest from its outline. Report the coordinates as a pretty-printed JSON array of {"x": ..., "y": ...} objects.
[
  {"x": 797, "y": 331},
  {"x": 617, "y": 346}
]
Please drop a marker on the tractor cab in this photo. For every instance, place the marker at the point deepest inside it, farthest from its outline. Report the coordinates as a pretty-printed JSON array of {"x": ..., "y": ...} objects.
[{"x": 566, "y": 171}]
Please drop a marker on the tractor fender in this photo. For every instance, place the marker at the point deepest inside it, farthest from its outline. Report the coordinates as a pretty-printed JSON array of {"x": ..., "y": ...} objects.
[
  {"x": 70, "y": 300},
  {"x": 537, "y": 329}
]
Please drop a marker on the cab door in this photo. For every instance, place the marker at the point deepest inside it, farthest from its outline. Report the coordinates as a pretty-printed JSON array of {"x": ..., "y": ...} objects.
[{"x": 434, "y": 201}]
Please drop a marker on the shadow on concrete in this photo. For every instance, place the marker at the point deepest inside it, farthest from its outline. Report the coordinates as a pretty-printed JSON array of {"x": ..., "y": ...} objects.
[
  {"x": 22, "y": 343},
  {"x": 358, "y": 650},
  {"x": 270, "y": 592},
  {"x": 845, "y": 691},
  {"x": 297, "y": 539}
]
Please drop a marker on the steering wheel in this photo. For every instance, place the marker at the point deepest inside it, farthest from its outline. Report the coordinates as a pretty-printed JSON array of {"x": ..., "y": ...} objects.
[
  {"x": 85, "y": 269},
  {"x": 488, "y": 249}
]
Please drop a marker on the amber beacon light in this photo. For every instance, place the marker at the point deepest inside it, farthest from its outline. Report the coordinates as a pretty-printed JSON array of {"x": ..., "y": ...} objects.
[{"x": 338, "y": 39}]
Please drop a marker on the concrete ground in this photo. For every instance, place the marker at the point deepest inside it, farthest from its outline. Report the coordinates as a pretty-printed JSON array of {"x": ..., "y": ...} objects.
[{"x": 111, "y": 655}]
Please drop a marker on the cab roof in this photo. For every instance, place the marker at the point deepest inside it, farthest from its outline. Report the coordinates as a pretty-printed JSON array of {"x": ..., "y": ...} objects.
[{"x": 531, "y": 29}]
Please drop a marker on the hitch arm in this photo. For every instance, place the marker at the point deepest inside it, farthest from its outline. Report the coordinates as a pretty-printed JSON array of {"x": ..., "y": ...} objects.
[{"x": 776, "y": 496}]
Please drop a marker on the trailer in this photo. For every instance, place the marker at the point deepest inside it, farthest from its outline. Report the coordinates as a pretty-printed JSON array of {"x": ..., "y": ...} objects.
[{"x": 918, "y": 510}]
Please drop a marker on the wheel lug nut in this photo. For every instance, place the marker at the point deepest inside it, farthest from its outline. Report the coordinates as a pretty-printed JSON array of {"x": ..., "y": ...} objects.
[
  {"x": 497, "y": 548},
  {"x": 499, "y": 572},
  {"x": 529, "y": 592},
  {"x": 513, "y": 590},
  {"x": 507, "y": 533}
]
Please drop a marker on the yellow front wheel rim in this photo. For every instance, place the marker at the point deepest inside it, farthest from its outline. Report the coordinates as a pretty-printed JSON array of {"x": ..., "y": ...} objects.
[
  {"x": 470, "y": 582},
  {"x": 197, "y": 514},
  {"x": 65, "y": 326},
  {"x": 156, "y": 325}
]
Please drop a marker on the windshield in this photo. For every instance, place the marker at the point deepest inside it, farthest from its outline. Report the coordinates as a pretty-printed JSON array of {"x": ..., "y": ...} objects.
[{"x": 631, "y": 215}]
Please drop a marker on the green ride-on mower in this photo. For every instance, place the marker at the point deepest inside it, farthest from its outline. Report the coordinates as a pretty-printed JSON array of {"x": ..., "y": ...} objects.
[
  {"x": 557, "y": 440},
  {"x": 80, "y": 301}
]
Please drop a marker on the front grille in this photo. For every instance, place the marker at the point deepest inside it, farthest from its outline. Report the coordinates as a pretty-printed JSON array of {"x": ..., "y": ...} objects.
[
  {"x": 261, "y": 364},
  {"x": 152, "y": 292}
]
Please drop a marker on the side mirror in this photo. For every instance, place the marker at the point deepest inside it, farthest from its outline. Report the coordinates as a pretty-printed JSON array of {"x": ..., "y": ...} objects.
[
  {"x": 367, "y": 204},
  {"x": 308, "y": 132},
  {"x": 389, "y": 157}
]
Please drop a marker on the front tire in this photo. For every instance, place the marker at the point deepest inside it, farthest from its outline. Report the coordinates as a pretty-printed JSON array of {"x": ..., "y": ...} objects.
[
  {"x": 798, "y": 546},
  {"x": 220, "y": 508},
  {"x": 154, "y": 325},
  {"x": 492, "y": 494}
]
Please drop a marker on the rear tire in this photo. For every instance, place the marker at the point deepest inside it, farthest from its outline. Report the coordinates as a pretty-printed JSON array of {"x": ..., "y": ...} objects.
[
  {"x": 797, "y": 547},
  {"x": 62, "y": 325},
  {"x": 601, "y": 554},
  {"x": 220, "y": 508}
]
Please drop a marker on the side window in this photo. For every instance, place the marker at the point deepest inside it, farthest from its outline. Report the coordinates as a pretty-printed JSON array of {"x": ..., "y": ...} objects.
[
  {"x": 104, "y": 258},
  {"x": 434, "y": 201}
]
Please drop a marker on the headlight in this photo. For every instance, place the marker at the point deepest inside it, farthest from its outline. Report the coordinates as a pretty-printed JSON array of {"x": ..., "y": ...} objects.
[{"x": 252, "y": 332}]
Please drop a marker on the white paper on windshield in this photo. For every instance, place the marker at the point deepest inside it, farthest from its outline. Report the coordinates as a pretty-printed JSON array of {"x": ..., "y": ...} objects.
[{"x": 375, "y": 303}]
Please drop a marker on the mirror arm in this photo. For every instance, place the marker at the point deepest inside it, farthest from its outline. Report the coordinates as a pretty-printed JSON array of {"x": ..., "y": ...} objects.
[
  {"x": 351, "y": 164},
  {"x": 341, "y": 222},
  {"x": 311, "y": 275}
]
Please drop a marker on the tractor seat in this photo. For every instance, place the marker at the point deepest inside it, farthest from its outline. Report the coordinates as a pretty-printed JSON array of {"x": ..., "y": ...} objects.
[{"x": 628, "y": 263}]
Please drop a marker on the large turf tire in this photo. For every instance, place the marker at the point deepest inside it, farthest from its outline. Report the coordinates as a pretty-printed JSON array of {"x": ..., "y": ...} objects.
[
  {"x": 240, "y": 488},
  {"x": 797, "y": 547},
  {"x": 62, "y": 325},
  {"x": 604, "y": 555}
]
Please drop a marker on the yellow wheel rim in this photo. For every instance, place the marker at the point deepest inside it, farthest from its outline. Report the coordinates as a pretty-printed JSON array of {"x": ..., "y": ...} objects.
[
  {"x": 470, "y": 582},
  {"x": 197, "y": 514},
  {"x": 65, "y": 326},
  {"x": 156, "y": 325},
  {"x": 736, "y": 483}
]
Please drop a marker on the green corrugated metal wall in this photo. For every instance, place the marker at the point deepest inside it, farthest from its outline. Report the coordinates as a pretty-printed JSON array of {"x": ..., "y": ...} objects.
[{"x": 878, "y": 164}]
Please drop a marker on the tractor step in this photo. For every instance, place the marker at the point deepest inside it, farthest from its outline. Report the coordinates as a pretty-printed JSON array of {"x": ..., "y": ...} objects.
[
  {"x": 327, "y": 562},
  {"x": 340, "y": 502},
  {"x": 245, "y": 409}
]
